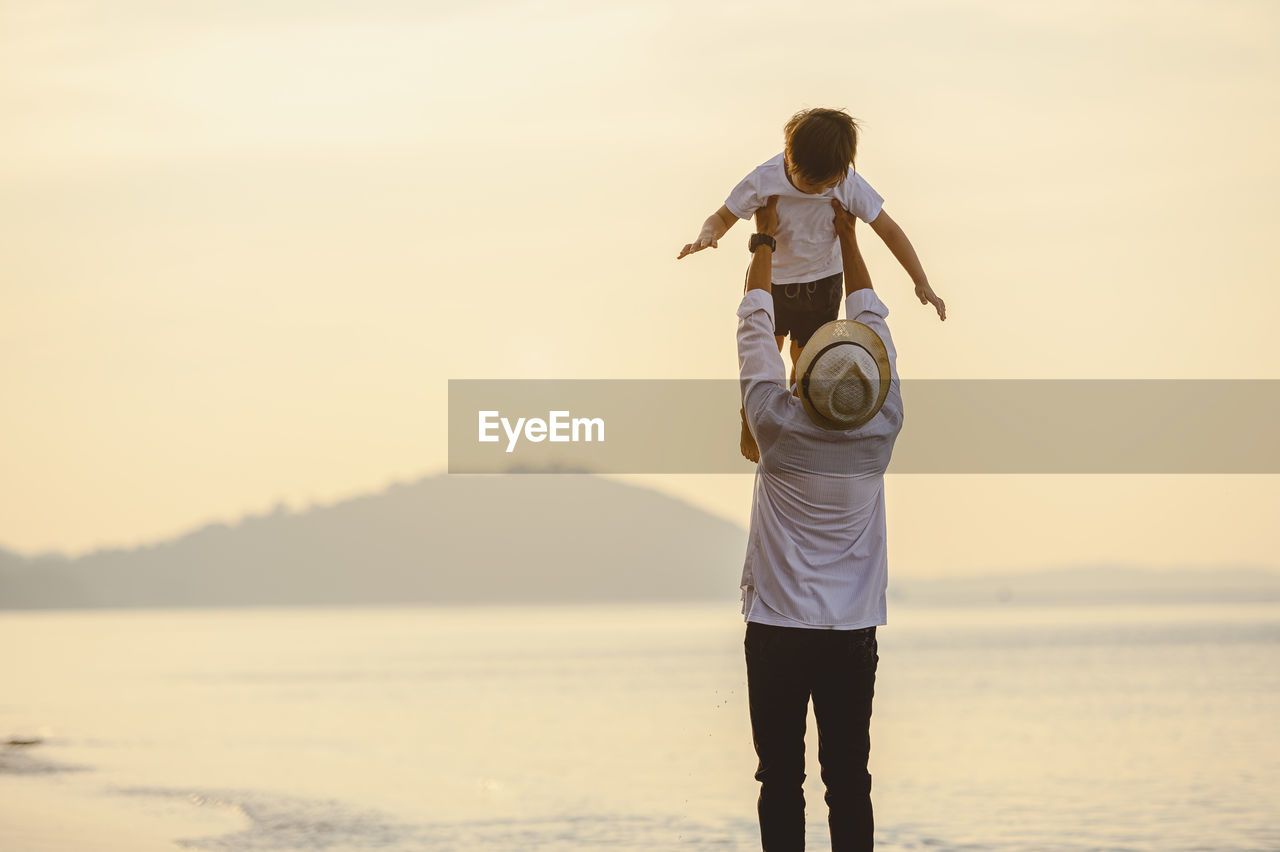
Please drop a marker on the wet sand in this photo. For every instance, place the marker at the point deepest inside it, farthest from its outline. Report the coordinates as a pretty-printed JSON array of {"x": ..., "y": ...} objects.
[{"x": 67, "y": 811}]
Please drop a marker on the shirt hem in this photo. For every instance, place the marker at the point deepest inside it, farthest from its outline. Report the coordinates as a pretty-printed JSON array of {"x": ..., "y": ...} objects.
[
  {"x": 751, "y": 598},
  {"x": 807, "y": 277}
]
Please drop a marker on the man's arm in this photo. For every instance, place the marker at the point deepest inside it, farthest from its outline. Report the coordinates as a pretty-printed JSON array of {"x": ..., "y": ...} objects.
[
  {"x": 760, "y": 272},
  {"x": 716, "y": 226},
  {"x": 861, "y": 302},
  {"x": 856, "y": 275},
  {"x": 896, "y": 239},
  {"x": 760, "y": 368}
]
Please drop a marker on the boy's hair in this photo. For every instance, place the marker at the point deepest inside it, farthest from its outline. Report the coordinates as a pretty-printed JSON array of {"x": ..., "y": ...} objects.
[{"x": 821, "y": 143}]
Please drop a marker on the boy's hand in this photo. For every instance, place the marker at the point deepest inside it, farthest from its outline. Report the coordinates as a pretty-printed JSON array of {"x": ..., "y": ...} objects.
[
  {"x": 767, "y": 217},
  {"x": 716, "y": 226},
  {"x": 705, "y": 239},
  {"x": 927, "y": 297}
]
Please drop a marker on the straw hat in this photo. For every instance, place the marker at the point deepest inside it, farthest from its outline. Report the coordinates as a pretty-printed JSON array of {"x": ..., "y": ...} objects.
[{"x": 843, "y": 375}]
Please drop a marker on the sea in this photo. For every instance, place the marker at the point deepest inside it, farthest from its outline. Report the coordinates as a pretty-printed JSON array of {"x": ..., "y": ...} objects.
[{"x": 1002, "y": 727}]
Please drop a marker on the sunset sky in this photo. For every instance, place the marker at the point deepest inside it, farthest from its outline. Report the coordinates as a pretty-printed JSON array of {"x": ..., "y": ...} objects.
[{"x": 246, "y": 244}]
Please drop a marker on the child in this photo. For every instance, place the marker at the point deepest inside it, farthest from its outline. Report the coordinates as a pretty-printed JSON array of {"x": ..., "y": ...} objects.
[{"x": 815, "y": 167}]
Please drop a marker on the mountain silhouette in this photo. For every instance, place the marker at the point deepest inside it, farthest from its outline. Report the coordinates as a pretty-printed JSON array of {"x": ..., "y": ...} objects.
[{"x": 441, "y": 539}]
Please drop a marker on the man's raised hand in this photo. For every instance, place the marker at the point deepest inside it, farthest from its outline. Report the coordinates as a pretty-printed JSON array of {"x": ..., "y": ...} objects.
[
  {"x": 767, "y": 217},
  {"x": 844, "y": 219}
]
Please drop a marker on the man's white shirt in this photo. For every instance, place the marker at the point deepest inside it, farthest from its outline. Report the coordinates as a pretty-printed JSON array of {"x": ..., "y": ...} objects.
[{"x": 817, "y": 552}]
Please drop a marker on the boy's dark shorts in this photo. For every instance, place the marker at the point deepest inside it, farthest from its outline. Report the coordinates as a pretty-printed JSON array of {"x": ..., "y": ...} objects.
[{"x": 801, "y": 309}]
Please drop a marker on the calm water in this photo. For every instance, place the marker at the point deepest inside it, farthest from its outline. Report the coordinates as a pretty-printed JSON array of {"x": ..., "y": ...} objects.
[{"x": 583, "y": 728}]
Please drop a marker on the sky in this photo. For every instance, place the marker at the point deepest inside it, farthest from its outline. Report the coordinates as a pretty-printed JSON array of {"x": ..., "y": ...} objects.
[{"x": 246, "y": 245}]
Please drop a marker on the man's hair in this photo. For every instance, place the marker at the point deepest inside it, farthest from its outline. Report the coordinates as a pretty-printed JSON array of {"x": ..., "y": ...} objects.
[{"x": 821, "y": 143}]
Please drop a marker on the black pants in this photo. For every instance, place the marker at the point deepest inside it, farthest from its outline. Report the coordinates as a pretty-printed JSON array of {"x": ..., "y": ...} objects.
[{"x": 785, "y": 666}]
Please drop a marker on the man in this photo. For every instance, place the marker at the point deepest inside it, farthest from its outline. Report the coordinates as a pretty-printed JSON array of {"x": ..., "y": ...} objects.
[{"x": 813, "y": 585}]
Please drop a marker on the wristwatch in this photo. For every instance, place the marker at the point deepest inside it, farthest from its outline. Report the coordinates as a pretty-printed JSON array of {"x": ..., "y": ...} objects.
[{"x": 758, "y": 240}]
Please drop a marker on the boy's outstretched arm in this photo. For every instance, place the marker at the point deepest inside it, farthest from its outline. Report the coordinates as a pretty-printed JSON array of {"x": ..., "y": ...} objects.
[
  {"x": 894, "y": 237},
  {"x": 716, "y": 226}
]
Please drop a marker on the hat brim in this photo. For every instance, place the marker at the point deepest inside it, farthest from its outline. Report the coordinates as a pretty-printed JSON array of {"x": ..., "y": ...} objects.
[{"x": 843, "y": 331}]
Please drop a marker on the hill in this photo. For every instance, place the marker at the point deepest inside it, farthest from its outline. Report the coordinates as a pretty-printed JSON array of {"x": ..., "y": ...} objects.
[{"x": 442, "y": 539}]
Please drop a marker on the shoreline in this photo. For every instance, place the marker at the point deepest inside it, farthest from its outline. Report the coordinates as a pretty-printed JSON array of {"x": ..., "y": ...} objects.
[{"x": 59, "y": 811}]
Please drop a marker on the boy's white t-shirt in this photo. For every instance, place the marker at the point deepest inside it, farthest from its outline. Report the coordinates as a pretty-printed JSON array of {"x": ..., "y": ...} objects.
[{"x": 807, "y": 247}]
